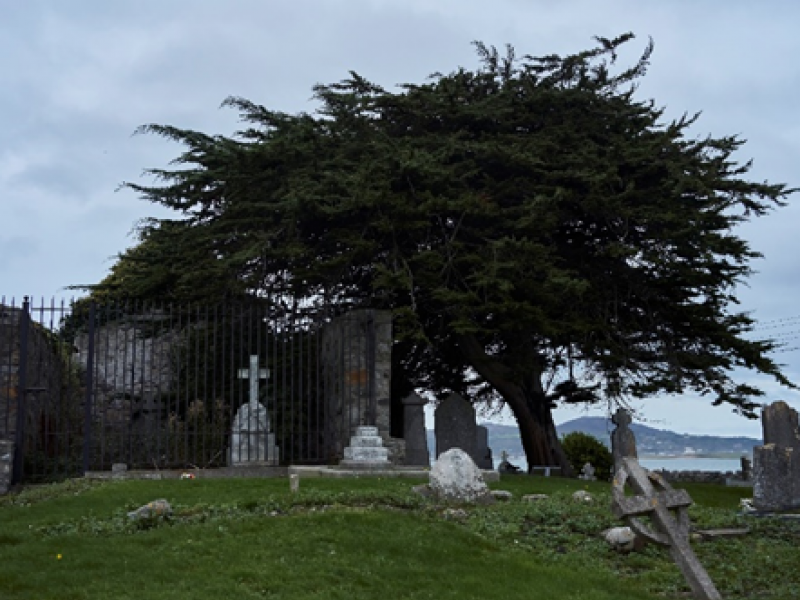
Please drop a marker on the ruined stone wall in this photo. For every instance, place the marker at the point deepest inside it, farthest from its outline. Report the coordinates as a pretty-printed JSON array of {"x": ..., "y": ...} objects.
[{"x": 132, "y": 367}]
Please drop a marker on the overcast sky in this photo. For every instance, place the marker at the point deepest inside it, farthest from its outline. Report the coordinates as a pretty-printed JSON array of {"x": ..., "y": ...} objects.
[{"x": 77, "y": 77}]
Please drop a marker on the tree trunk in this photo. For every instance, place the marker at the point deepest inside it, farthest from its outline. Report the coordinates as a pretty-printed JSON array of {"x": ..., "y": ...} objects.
[{"x": 528, "y": 403}]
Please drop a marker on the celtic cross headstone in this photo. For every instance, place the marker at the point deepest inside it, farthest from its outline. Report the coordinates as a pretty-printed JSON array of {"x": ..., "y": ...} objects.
[{"x": 667, "y": 510}]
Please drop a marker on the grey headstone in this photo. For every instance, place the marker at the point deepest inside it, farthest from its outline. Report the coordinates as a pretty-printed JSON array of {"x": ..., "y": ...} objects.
[
  {"x": 414, "y": 431},
  {"x": 587, "y": 473},
  {"x": 779, "y": 423},
  {"x": 747, "y": 469},
  {"x": 483, "y": 454},
  {"x": 455, "y": 477},
  {"x": 776, "y": 464},
  {"x": 505, "y": 466},
  {"x": 454, "y": 425},
  {"x": 251, "y": 440},
  {"x": 776, "y": 478},
  {"x": 623, "y": 442}
]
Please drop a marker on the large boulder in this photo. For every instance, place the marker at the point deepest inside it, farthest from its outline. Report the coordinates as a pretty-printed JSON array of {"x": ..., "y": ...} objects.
[{"x": 456, "y": 478}]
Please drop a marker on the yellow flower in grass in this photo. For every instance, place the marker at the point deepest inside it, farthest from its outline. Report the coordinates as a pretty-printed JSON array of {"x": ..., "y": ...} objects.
[{"x": 58, "y": 557}]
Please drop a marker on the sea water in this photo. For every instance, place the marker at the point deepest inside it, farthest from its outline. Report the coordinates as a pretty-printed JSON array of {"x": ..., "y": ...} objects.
[{"x": 680, "y": 463}]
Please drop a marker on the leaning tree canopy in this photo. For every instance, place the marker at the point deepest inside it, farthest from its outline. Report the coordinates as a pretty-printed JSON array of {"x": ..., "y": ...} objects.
[{"x": 533, "y": 213}]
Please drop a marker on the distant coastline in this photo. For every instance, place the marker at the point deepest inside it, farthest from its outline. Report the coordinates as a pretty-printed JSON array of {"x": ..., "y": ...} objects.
[{"x": 715, "y": 455}]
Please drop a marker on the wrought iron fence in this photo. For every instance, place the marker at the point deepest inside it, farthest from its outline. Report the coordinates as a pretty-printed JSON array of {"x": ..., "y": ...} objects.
[{"x": 86, "y": 385}]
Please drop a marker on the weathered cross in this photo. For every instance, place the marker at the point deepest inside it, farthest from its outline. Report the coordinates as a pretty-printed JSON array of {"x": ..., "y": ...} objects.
[
  {"x": 656, "y": 499},
  {"x": 253, "y": 373}
]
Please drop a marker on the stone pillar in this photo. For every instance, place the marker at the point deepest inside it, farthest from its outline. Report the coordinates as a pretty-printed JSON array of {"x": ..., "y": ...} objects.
[
  {"x": 414, "y": 431},
  {"x": 356, "y": 362}
]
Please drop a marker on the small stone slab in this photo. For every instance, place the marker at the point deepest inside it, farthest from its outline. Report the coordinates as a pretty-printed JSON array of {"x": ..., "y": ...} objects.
[
  {"x": 534, "y": 497},
  {"x": 502, "y": 495},
  {"x": 721, "y": 533}
]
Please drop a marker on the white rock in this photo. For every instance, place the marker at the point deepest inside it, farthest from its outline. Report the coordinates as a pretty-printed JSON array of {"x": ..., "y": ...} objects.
[
  {"x": 456, "y": 478},
  {"x": 622, "y": 539},
  {"x": 582, "y": 496}
]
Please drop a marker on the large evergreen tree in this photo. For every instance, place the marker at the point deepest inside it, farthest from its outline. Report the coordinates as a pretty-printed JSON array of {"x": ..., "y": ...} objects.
[{"x": 541, "y": 235}]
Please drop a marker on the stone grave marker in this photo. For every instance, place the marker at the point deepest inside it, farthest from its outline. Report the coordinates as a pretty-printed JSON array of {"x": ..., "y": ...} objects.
[
  {"x": 747, "y": 469},
  {"x": 623, "y": 442},
  {"x": 454, "y": 425},
  {"x": 252, "y": 442},
  {"x": 587, "y": 472},
  {"x": 483, "y": 454},
  {"x": 776, "y": 464},
  {"x": 366, "y": 450},
  {"x": 414, "y": 431},
  {"x": 667, "y": 510}
]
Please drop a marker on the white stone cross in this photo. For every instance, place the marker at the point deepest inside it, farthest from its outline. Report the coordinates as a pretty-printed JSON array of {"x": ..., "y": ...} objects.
[{"x": 253, "y": 373}]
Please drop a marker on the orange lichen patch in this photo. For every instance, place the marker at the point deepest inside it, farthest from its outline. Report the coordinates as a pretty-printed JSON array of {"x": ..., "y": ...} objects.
[{"x": 359, "y": 377}]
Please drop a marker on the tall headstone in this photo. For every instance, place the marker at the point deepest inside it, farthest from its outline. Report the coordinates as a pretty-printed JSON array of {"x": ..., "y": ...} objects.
[
  {"x": 483, "y": 454},
  {"x": 454, "y": 425},
  {"x": 623, "y": 442},
  {"x": 414, "y": 431},
  {"x": 252, "y": 442},
  {"x": 747, "y": 469},
  {"x": 776, "y": 464}
]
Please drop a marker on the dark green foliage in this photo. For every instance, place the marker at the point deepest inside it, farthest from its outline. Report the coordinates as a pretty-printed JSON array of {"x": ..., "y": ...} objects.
[
  {"x": 541, "y": 234},
  {"x": 581, "y": 448}
]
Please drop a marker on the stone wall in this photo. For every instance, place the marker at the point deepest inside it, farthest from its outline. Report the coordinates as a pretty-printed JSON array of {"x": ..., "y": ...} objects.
[
  {"x": 699, "y": 476},
  {"x": 356, "y": 360}
]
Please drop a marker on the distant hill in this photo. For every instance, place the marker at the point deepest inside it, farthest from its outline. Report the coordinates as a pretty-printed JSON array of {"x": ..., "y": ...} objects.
[{"x": 649, "y": 440}]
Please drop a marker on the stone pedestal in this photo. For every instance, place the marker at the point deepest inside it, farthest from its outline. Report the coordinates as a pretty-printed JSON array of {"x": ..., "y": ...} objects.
[
  {"x": 252, "y": 443},
  {"x": 366, "y": 451}
]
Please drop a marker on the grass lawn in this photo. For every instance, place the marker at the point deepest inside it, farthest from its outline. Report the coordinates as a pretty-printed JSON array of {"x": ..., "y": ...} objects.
[{"x": 365, "y": 538}]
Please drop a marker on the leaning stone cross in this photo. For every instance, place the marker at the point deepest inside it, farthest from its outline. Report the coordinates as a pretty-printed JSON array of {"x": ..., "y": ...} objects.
[
  {"x": 253, "y": 373},
  {"x": 657, "y": 500}
]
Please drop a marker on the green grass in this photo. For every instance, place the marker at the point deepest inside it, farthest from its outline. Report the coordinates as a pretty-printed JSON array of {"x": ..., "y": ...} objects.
[{"x": 365, "y": 538}]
